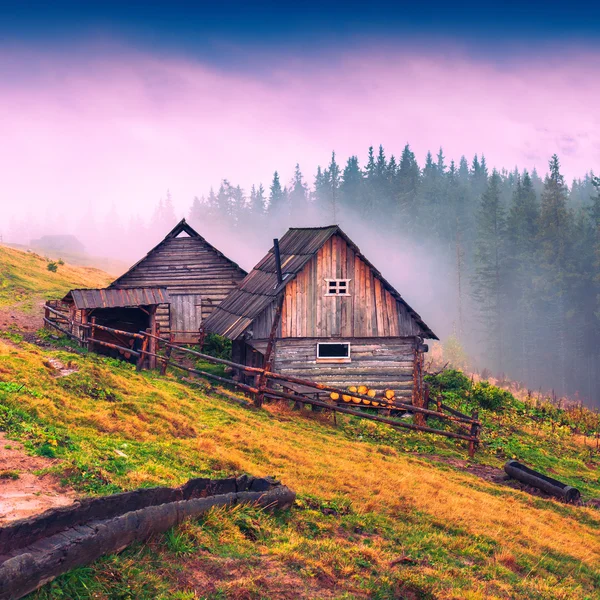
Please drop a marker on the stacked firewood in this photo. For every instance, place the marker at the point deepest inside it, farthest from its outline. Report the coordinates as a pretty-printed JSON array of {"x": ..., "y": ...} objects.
[{"x": 363, "y": 390}]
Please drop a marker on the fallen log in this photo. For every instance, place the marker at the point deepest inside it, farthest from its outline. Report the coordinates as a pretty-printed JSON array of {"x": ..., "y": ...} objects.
[
  {"x": 34, "y": 551},
  {"x": 556, "y": 488}
]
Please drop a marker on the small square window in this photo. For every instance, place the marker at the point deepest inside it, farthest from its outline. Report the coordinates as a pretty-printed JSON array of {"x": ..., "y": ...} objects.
[{"x": 337, "y": 287}]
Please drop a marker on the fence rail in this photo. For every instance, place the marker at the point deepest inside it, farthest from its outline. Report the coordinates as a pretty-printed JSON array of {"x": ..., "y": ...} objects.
[{"x": 266, "y": 379}]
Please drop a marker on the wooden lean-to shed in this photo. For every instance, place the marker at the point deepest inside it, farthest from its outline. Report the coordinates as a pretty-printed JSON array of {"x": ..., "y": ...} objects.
[
  {"x": 341, "y": 323},
  {"x": 195, "y": 274}
]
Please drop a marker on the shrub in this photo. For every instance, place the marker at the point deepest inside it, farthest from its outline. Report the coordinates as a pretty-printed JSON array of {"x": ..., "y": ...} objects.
[
  {"x": 217, "y": 346},
  {"x": 52, "y": 266},
  {"x": 491, "y": 397}
]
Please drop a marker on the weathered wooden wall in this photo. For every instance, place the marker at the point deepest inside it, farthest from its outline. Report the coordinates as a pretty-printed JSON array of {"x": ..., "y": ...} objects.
[
  {"x": 185, "y": 265},
  {"x": 382, "y": 363},
  {"x": 368, "y": 311}
]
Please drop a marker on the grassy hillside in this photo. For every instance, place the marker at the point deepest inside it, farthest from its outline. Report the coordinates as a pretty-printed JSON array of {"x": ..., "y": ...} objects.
[
  {"x": 25, "y": 278},
  {"x": 380, "y": 514}
]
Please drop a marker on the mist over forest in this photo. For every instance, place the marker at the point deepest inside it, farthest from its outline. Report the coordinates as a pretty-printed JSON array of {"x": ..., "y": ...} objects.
[{"x": 504, "y": 263}]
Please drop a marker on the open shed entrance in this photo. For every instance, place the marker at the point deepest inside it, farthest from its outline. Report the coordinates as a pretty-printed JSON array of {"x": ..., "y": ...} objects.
[
  {"x": 124, "y": 309},
  {"x": 125, "y": 319}
]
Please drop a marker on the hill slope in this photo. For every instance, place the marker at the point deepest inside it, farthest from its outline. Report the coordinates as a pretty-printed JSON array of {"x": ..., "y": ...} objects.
[
  {"x": 381, "y": 514},
  {"x": 25, "y": 275},
  {"x": 26, "y": 282}
]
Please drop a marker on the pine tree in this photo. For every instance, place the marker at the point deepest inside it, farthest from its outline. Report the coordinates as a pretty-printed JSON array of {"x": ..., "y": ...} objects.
[
  {"x": 168, "y": 214},
  {"x": 298, "y": 196},
  {"x": 522, "y": 235},
  {"x": 352, "y": 185},
  {"x": 334, "y": 184},
  {"x": 409, "y": 178},
  {"x": 277, "y": 198},
  {"x": 197, "y": 210},
  {"x": 556, "y": 224},
  {"x": 490, "y": 268}
]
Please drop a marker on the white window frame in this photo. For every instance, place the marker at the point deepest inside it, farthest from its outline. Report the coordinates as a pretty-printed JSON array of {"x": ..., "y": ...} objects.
[
  {"x": 337, "y": 282},
  {"x": 334, "y": 359}
]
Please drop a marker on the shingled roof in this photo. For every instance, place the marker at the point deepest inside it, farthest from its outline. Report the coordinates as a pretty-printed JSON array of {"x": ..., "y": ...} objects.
[{"x": 235, "y": 314}]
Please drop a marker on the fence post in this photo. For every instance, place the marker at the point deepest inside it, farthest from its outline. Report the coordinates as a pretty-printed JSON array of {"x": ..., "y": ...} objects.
[
  {"x": 268, "y": 364},
  {"x": 142, "y": 357},
  {"x": 92, "y": 336},
  {"x": 165, "y": 363},
  {"x": 474, "y": 434}
]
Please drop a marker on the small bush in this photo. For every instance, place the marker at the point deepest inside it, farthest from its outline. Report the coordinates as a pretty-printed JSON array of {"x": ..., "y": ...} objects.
[
  {"x": 217, "y": 346},
  {"x": 52, "y": 266},
  {"x": 9, "y": 474},
  {"x": 491, "y": 397}
]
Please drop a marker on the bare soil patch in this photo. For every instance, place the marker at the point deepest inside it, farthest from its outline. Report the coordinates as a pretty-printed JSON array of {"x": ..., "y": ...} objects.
[
  {"x": 22, "y": 493},
  {"x": 22, "y": 321}
]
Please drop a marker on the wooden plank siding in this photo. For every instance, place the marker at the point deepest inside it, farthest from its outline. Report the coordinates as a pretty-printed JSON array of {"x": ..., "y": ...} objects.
[
  {"x": 368, "y": 311},
  {"x": 382, "y": 363},
  {"x": 185, "y": 265}
]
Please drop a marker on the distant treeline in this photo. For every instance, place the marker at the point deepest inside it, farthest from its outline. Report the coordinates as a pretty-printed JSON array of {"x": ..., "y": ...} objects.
[
  {"x": 515, "y": 258},
  {"x": 522, "y": 253}
]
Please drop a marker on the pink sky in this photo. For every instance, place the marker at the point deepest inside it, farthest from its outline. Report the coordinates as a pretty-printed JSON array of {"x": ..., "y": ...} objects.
[{"x": 129, "y": 126}]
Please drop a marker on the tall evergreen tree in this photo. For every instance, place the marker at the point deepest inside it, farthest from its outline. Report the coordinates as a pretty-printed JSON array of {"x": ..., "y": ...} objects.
[
  {"x": 277, "y": 197},
  {"x": 298, "y": 196},
  {"x": 556, "y": 224},
  {"x": 490, "y": 268},
  {"x": 352, "y": 185}
]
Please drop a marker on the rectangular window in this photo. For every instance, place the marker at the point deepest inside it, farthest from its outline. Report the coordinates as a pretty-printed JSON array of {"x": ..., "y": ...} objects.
[
  {"x": 333, "y": 352},
  {"x": 337, "y": 287}
]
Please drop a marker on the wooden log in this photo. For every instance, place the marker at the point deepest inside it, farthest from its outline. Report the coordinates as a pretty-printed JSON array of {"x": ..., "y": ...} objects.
[
  {"x": 31, "y": 566},
  {"x": 55, "y": 326}
]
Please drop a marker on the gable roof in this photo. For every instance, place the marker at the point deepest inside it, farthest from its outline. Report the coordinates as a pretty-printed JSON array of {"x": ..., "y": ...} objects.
[
  {"x": 181, "y": 227},
  {"x": 235, "y": 314}
]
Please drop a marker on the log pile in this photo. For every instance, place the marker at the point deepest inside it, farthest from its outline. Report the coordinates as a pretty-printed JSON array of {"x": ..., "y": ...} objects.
[{"x": 374, "y": 401}]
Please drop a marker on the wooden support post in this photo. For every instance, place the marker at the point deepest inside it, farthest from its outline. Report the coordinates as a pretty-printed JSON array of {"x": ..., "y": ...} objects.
[
  {"x": 418, "y": 397},
  {"x": 268, "y": 361},
  {"x": 165, "y": 363},
  {"x": 153, "y": 345},
  {"x": 90, "y": 342},
  {"x": 142, "y": 359},
  {"x": 474, "y": 434},
  {"x": 84, "y": 329},
  {"x": 201, "y": 337}
]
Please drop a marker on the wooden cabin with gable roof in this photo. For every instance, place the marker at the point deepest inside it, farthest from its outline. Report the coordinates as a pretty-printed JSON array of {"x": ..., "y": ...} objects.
[
  {"x": 169, "y": 291},
  {"x": 196, "y": 276},
  {"x": 341, "y": 323}
]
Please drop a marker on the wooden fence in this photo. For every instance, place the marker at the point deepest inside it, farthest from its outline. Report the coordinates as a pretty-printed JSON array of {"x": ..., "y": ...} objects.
[{"x": 145, "y": 348}]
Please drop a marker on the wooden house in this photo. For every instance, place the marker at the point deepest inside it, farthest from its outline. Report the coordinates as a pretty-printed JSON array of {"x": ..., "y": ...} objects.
[
  {"x": 195, "y": 274},
  {"x": 170, "y": 291},
  {"x": 334, "y": 317}
]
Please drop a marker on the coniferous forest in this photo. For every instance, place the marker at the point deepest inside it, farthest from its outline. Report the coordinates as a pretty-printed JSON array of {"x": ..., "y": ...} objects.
[
  {"x": 505, "y": 264},
  {"x": 520, "y": 254}
]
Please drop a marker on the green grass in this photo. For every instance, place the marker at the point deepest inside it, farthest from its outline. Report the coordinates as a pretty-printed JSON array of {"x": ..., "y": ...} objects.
[
  {"x": 25, "y": 278},
  {"x": 377, "y": 516}
]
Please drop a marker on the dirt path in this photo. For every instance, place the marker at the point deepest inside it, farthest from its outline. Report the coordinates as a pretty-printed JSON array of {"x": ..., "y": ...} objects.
[
  {"x": 22, "y": 321},
  {"x": 22, "y": 493}
]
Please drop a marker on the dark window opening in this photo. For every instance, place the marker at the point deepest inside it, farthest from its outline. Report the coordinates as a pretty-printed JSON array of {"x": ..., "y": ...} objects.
[{"x": 333, "y": 350}]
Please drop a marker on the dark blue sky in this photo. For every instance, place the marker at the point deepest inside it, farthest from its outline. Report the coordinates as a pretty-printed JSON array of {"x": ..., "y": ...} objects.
[{"x": 210, "y": 29}]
